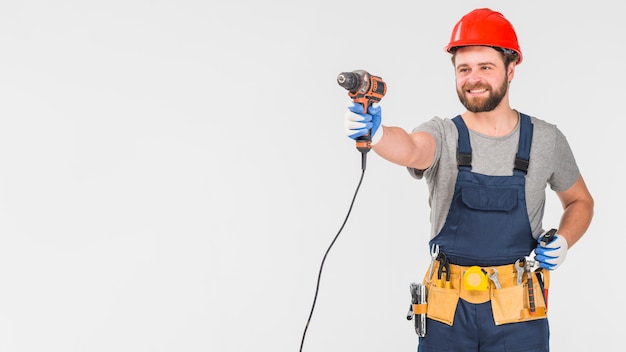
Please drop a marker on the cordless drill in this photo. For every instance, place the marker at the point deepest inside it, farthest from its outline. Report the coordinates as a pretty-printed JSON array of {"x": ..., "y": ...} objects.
[{"x": 366, "y": 90}]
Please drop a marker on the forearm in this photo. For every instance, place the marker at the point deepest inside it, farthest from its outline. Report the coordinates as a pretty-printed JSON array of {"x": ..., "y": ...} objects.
[
  {"x": 575, "y": 220},
  {"x": 577, "y": 212},
  {"x": 411, "y": 150}
]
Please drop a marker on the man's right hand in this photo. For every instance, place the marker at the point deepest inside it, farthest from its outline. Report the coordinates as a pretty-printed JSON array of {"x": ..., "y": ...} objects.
[{"x": 358, "y": 124}]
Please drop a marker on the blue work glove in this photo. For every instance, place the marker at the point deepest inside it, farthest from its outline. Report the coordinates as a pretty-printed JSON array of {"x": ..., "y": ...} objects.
[
  {"x": 551, "y": 255},
  {"x": 358, "y": 124}
]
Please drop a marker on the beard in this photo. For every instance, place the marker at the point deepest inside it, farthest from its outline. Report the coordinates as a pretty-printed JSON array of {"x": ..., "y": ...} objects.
[{"x": 483, "y": 104}]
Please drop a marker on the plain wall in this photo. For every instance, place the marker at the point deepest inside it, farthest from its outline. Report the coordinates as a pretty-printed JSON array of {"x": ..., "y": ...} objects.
[{"x": 172, "y": 172}]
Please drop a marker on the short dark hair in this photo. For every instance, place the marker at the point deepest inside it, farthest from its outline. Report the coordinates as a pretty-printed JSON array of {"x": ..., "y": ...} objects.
[{"x": 508, "y": 55}]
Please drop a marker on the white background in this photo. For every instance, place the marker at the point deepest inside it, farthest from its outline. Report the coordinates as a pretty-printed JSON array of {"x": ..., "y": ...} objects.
[{"x": 172, "y": 172}]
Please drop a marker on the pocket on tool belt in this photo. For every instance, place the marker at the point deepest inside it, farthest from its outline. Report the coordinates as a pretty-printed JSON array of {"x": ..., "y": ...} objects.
[
  {"x": 441, "y": 300},
  {"x": 511, "y": 304},
  {"x": 442, "y": 304}
]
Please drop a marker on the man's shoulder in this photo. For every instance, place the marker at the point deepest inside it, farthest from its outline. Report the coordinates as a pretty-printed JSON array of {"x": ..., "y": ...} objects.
[
  {"x": 541, "y": 123},
  {"x": 436, "y": 123}
]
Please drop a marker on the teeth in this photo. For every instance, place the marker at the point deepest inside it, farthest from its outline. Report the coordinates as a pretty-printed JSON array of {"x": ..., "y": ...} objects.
[{"x": 477, "y": 90}]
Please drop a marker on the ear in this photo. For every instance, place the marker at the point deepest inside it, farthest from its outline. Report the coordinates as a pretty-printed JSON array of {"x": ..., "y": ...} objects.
[{"x": 511, "y": 72}]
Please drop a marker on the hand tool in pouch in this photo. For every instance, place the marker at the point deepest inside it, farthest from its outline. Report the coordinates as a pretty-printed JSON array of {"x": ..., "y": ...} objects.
[
  {"x": 418, "y": 308},
  {"x": 528, "y": 266},
  {"x": 444, "y": 267},
  {"x": 434, "y": 253},
  {"x": 547, "y": 238}
]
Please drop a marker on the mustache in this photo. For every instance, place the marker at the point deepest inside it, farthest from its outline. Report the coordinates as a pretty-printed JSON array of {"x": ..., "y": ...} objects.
[{"x": 476, "y": 86}]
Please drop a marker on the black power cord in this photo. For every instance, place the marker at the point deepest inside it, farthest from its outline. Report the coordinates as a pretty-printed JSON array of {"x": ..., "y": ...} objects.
[{"x": 319, "y": 275}]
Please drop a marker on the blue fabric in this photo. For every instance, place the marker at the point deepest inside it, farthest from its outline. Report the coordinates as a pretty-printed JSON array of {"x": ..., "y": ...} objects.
[
  {"x": 487, "y": 223},
  {"x": 475, "y": 331}
]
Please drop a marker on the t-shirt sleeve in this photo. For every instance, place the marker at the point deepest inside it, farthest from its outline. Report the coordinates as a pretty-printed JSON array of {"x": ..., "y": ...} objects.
[
  {"x": 434, "y": 127},
  {"x": 566, "y": 170}
]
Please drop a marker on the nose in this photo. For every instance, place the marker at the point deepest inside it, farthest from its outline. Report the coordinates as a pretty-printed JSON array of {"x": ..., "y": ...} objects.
[{"x": 474, "y": 78}]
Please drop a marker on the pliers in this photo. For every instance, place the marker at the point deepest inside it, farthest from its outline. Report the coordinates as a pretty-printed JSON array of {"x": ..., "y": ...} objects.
[{"x": 444, "y": 266}]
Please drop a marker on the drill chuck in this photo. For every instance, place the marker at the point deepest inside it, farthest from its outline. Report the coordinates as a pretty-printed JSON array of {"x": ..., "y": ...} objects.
[{"x": 349, "y": 80}]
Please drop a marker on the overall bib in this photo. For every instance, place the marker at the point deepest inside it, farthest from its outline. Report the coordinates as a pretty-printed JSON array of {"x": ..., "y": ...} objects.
[{"x": 487, "y": 225}]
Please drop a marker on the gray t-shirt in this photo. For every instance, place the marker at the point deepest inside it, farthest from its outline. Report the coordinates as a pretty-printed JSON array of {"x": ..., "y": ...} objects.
[{"x": 551, "y": 163}]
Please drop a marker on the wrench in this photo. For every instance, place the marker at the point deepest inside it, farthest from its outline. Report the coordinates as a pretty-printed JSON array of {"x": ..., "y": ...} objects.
[
  {"x": 494, "y": 277},
  {"x": 520, "y": 271},
  {"x": 434, "y": 253}
]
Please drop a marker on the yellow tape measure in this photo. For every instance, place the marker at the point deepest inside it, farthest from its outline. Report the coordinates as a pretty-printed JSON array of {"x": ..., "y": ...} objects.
[{"x": 475, "y": 278}]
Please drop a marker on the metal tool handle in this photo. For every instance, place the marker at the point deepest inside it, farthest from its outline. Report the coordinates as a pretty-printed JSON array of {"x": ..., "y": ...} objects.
[
  {"x": 531, "y": 293},
  {"x": 547, "y": 237},
  {"x": 420, "y": 319},
  {"x": 413, "y": 290}
]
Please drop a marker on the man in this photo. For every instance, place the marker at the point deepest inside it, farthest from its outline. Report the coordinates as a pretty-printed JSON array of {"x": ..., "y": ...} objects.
[{"x": 487, "y": 170}]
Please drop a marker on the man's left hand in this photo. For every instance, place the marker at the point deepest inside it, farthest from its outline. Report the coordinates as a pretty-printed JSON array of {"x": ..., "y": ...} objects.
[{"x": 551, "y": 255}]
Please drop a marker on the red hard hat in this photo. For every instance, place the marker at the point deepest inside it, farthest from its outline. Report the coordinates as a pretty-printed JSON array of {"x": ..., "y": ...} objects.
[{"x": 484, "y": 27}]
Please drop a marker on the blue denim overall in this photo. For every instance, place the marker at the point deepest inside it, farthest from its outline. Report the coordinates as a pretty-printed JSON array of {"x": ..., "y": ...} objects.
[{"x": 487, "y": 225}]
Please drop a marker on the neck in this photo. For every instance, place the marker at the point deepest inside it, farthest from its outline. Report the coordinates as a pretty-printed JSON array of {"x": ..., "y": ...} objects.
[{"x": 495, "y": 123}]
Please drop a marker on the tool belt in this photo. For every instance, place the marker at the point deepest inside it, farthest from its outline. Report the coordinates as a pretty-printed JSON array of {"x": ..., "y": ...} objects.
[{"x": 511, "y": 302}]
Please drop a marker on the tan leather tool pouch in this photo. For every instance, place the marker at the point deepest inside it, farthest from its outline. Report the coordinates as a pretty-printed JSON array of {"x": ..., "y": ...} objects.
[
  {"x": 442, "y": 304},
  {"x": 442, "y": 301},
  {"x": 511, "y": 303}
]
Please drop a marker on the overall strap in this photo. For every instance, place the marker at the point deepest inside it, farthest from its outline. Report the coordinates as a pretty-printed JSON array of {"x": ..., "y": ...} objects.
[
  {"x": 463, "y": 149},
  {"x": 522, "y": 158}
]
